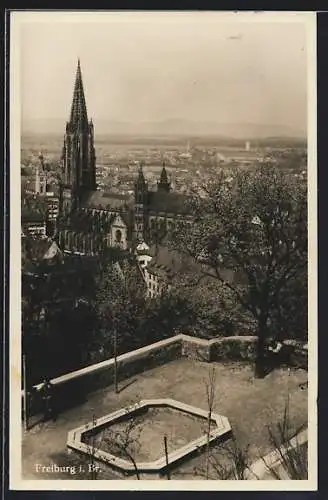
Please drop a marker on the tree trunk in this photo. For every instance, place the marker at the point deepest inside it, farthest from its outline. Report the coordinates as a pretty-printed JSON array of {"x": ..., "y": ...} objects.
[
  {"x": 115, "y": 362},
  {"x": 260, "y": 352},
  {"x": 130, "y": 457},
  {"x": 208, "y": 435},
  {"x": 166, "y": 458}
]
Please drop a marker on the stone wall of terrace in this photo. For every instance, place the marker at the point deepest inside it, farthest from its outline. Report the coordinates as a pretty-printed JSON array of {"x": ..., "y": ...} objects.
[{"x": 72, "y": 388}]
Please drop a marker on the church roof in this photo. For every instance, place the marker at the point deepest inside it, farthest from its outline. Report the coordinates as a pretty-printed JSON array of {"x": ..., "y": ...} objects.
[
  {"x": 161, "y": 201},
  {"x": 106, "y": 201}
]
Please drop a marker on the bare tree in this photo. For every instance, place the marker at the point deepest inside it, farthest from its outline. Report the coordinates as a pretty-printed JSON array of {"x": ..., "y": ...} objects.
[
  {"x": 233, "y": 461},
  {"x": 125, "y": 441},
  {"x": 93, "y": 443},
  {"x": 210, "y": 396},
  {"x": 166, "y": 458},
  {"x": 226, "y": 461},
  {"x": 291, "y": 452}
]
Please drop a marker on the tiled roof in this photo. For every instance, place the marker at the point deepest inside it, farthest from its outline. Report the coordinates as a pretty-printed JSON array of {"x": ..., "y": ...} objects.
[
  {"x": 167, "y": 262},
  {"x": 30, "y": 215},
  {"x": 53, "y": 188},
  {"x": 160, "y": 201},
  {"x": 34, "y": 249},
  {"x": 129, "y": 265}
]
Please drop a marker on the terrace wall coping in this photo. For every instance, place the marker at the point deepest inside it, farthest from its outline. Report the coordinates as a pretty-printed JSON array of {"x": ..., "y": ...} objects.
[{"x": 156, "y": 346}]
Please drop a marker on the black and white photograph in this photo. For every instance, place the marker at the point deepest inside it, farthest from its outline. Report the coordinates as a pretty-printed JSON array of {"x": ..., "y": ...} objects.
[{"x": 163, "y": 274}]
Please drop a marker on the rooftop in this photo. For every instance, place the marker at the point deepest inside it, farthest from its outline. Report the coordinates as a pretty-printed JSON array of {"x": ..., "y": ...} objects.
[
  {"x": 160, "y": 201},
  {"x": 31, "y": 215},
  {"x": 106, "y": 200}
]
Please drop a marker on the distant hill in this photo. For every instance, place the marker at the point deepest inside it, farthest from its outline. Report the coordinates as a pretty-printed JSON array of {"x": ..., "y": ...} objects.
[{"x": 173, "y": 127}]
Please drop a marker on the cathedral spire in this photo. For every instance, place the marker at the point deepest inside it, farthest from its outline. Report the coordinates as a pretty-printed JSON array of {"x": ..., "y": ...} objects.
[
  {"x": 164, "y": 178},
  {"x": 79, "y": 115},
  {"x": 163, "y": 184},
  {"x": 78, "y": 155},
  {"x": 140, "y": 187},
  {"x": 141, "y": 179}
]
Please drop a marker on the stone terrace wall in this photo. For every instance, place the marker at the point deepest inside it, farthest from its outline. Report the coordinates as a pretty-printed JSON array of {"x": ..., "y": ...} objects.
[
  {"x": 195, "y": 348},
  {"x": 299, "y": 353},
  {"x": 234, "y": 349},
  {"x": 237, "y": 348},
  {"x": 219, "y": 349},
  {"x": 72, "y": 388}
]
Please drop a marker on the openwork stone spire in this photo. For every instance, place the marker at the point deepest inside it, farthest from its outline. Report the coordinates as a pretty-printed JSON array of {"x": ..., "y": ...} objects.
[
  {"x": 164, "y": 179},
  {"x": 163, "y": 184},
  {"x": 141, "y": 179},
  {"x": 78, "y": 155},
  {"x": 79, "y": 115}
]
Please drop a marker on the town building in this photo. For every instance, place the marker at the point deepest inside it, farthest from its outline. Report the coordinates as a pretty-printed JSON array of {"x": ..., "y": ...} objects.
[{"x": 33, "y": 223}]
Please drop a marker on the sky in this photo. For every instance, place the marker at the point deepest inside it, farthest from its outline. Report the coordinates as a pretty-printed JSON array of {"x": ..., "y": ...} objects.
[{"x": 150, "y": 67}]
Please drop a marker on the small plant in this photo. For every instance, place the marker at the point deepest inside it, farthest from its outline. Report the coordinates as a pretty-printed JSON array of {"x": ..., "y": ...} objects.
[
  {"x": 210, "y": 396},
  {"x": 92, "y": 445},
  {"x": 126, "y": 441},
  {"x": 292, "y": 454},
  {"x": 239, "y": 458}
]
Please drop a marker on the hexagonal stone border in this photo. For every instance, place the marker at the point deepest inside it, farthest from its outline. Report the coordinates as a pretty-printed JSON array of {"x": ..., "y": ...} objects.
[{"x": 75, "y": 437}]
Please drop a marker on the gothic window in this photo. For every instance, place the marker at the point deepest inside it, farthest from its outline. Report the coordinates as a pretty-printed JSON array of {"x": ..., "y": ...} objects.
[
  {"x": 70, "y": 241},
  {"x": 88, "y": 244},
  {"x": 80, "y": 242},
  {"x": 74, "y": 242},
  {"x": 118, "y": 236}
]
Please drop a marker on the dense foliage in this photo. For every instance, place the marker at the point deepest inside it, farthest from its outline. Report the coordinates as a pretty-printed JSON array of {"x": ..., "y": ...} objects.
[
  {"x": 248, "y": 243},
  {"x": 253, "y": 225},
  {"x": 72, "y": 309}
]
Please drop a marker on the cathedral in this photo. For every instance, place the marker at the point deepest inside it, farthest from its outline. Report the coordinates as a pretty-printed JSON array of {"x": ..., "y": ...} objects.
[{"x": 91, "y": 220}]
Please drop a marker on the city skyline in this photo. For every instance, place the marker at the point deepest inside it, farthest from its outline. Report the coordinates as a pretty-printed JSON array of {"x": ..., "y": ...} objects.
[{"x": 148, "y": 68}]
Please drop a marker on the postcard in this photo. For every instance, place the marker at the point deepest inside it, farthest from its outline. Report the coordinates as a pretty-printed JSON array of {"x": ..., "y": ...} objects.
[{"x": 163, "y": 262}]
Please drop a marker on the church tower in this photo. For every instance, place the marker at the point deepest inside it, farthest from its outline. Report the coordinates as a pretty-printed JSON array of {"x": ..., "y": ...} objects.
[
  {"x": 164, "y": 185},
  {"x": 78, "y": 154},
  {"x": 40, "y": 177},
  {"x": 140, "y": 205}
]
